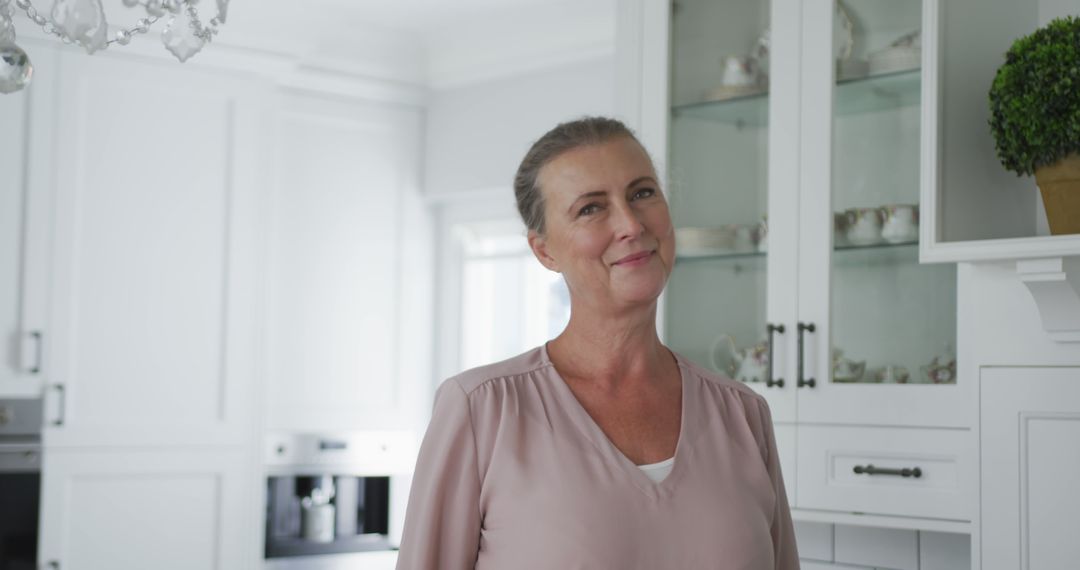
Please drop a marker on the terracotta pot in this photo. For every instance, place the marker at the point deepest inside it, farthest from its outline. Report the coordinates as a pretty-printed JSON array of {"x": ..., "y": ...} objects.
[{"x": 1060, "y": 187}]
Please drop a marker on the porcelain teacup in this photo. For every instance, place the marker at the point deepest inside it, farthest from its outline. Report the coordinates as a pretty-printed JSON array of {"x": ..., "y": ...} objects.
[
  {"x": 863, "y": 225},
  {"x": 901, "y": 223},
  {"x": 738, "y": 72}
]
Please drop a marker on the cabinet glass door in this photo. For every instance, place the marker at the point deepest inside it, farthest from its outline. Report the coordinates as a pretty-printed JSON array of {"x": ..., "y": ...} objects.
[
  {"x": 718, "y": 165},
  {"x": 888, "y": 340}
]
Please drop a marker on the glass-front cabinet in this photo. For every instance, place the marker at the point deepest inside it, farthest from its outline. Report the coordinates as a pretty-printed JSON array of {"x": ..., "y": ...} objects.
[{"x": 794, "y": 160}]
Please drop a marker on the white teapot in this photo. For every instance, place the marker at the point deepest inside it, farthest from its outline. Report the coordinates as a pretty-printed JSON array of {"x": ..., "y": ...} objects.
[{"x": 748, "y": 364}]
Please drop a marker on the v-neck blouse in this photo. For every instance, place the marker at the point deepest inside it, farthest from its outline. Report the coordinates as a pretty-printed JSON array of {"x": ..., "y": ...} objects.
[{"x": 513, "y": 473}]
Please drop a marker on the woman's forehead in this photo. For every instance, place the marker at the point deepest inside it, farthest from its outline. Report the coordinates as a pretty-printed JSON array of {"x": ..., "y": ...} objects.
[{"x": 612, "y": 165}]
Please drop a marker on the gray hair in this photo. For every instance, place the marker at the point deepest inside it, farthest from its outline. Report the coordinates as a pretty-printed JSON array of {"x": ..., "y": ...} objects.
[{"x": 564, "y": 137}]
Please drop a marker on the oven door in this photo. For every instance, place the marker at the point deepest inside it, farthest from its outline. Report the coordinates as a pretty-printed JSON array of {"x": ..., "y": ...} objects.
[{"x": 20, "y": 491}]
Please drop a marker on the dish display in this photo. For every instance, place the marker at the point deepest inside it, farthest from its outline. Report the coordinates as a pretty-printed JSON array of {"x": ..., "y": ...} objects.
[{"x": 725, "y": 239}]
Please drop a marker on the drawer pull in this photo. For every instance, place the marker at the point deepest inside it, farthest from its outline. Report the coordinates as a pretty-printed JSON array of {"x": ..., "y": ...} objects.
[{"x": 871, "y": 470}]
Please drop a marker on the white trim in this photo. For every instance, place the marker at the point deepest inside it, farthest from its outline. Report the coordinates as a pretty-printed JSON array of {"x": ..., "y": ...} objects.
[
  {"x": 930, "y": 131},
  {"x": 880, "y": 521},
  {"x": 1002, "y": 249}
]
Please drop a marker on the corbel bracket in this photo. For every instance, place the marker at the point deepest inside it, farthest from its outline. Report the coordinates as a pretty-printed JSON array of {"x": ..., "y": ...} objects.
[{"x": 1054, "y": 283}]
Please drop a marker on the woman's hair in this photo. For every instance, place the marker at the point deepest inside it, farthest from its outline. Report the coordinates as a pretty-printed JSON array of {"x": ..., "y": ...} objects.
[{"x": 564, "y": 137}]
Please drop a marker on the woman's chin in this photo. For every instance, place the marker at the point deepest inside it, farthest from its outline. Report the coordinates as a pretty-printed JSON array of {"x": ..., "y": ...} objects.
[{"x": 644, "y": 292}]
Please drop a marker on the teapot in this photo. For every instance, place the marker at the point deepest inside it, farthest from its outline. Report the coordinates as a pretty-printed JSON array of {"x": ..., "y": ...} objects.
[
  {"x": 847, "y": 370},
  {"x": 743, "y": 364},
  {"x": 940, "y": 371}
]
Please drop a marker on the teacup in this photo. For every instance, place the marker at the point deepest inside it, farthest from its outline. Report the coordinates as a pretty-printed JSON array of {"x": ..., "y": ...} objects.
[
  {"x": 738, "y": 71},
  {"x": 845, "y": 370},
  {"x": 863, "y": 225},
  {"x": 892, "y": 374},
  {"x": 901, "y": 223}
]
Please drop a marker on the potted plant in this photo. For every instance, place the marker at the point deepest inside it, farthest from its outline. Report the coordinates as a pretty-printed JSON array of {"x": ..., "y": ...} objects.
[{"x": 1035, "y": 117}]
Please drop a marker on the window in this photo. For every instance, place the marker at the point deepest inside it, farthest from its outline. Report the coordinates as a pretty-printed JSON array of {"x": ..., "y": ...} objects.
[{"x": 509, "y": 302}]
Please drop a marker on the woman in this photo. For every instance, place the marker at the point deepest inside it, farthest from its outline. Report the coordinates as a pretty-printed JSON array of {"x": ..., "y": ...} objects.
[{"x": 601, "y": 449}]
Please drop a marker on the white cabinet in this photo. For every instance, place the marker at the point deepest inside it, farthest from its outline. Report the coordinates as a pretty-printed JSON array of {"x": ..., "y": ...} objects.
[
  {"x": 150, "y": 319},
  {"x": 343, "y": 174},
  {"x": 819, "y": 142},
  {"x": 1030, "y": 425},
  {"x": 25, "y": 208},
  {"x": 128, "y": 510},
  {"x": 153, "y": 286}
]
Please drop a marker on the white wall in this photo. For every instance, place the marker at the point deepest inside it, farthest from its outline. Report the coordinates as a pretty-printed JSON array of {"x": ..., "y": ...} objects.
[{"x": 477, "y": 134}]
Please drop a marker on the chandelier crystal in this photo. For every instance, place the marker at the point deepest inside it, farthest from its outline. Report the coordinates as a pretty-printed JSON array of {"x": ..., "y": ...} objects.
[{"x": 83, "y": 23}]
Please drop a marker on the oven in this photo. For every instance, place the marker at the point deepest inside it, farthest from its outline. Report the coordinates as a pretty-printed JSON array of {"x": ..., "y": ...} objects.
[
  {"x": 20, "y": 482},
  {"x": 329, "y": 498}
]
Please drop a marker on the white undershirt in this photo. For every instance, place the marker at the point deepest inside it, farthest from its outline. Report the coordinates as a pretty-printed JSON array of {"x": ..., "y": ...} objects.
[{"x": 657, "y": 471}]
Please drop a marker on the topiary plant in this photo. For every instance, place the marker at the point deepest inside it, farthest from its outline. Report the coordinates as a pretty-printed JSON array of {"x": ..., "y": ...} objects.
[{"x": 1035, "y": 98}]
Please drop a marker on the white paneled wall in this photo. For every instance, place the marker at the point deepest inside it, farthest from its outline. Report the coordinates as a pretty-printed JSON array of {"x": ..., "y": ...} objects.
[{"x": 825, "y": 546}]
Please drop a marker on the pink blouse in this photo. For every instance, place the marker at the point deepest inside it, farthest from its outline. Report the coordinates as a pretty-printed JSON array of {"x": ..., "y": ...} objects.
[{"x": 513, "y": 474}]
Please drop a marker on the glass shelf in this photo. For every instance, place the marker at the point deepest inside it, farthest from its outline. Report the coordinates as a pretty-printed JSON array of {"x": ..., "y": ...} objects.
[
  {"x": 881, "y": 245},
  {"x": 854, "y": 95},
  {"x": 705, "y": 256},
  {"x": 717, "y": 256}
]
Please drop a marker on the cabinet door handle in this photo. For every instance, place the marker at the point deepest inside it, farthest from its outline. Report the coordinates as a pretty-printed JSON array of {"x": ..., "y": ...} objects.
[
  {"x": 769, "y": 382},
  {"x": 871, "y": 470},
  {"x": 33, "y": 363},
  {"x": 804, "y": 327},
  {"x": 54, "y": 565},
  {"x": 59, "y": 421}
]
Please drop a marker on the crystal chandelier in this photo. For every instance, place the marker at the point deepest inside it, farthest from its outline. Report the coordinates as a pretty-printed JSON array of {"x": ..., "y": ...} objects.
[{"x": 82, "y": 22}]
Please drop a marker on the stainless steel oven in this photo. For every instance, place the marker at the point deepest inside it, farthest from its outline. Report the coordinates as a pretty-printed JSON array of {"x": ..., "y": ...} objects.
[
  {"x": 329, "y": 497},
  {"x": 20, "y": 482}
]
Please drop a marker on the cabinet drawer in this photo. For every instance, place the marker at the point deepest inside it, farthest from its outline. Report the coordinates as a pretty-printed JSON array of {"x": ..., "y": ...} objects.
[{"x": 828, "y": 458}]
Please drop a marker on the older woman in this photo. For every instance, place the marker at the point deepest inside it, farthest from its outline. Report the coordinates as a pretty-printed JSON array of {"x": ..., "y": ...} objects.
[{"x": 603, "y": 448}]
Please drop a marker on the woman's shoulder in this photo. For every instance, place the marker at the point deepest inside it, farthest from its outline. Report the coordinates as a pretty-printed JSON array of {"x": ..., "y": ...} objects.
[{"x": 519, "y": 366}]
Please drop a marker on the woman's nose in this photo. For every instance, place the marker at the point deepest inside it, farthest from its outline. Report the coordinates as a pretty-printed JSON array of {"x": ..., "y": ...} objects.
[{"x": 628, "y": 222}]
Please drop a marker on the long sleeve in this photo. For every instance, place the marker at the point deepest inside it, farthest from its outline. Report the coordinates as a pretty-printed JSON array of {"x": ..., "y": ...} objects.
[
  {"x": 442, "y": 521},
  {"x": 786, "y": 554}
]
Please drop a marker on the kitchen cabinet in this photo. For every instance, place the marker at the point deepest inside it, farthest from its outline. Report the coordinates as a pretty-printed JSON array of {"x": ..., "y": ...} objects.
[
  {"x": 1030, "y": 422},
  {"x": 976, "y": 210},
  {"x": 337, "y": 256},
  {"x": 791, "y": 135},
  {"x": 141, "y": 207},
  {"x": 25, "y": 206},
  {"x": 152, "y": 297},
  {"x": 168, "y": 509}
]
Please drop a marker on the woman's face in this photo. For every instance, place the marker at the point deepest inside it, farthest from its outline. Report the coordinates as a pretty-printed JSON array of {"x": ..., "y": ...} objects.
[{"x": 607, "y": 226}]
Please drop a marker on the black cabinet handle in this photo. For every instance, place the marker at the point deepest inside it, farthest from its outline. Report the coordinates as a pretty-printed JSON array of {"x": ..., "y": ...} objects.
[
  {"x": 871, "y": 470},
  {"x": 804, "y": 327},
  {"x": 769, "y": 382},
  {"x": 59, "y": 421},
  {"x": 332, "y": 444},
  {"x": 36, "y": 336}
]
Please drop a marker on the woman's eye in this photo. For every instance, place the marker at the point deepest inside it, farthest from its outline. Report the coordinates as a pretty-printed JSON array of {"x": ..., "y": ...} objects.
[
  {"x": 589, "y": 209},
  {"x": 644, "y": 193}
]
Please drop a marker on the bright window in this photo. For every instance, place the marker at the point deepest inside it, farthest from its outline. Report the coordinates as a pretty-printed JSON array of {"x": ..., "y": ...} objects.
[{"x": 509, "y": 302}]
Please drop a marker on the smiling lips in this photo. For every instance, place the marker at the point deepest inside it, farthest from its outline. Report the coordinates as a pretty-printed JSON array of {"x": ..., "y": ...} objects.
[{"x": 634, "y": 258}]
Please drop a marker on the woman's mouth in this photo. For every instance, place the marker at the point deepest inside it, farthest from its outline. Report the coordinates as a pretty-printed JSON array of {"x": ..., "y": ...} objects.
[{"x": 634, "y": 258}]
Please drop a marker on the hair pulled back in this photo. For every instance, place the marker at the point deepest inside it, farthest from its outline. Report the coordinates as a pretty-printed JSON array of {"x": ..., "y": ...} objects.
[{"x": 564, "y": 137}]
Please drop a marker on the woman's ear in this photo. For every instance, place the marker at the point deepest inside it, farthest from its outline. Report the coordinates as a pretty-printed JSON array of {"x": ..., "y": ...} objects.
[{"x": 538, "y": 245}]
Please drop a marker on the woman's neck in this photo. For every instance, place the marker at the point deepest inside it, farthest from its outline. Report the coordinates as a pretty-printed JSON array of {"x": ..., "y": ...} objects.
[{"x": 612, "y": 352}]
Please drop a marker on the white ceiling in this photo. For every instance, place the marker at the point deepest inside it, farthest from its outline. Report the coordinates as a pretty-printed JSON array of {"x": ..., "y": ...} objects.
[{"x": 439, "y": 43}]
